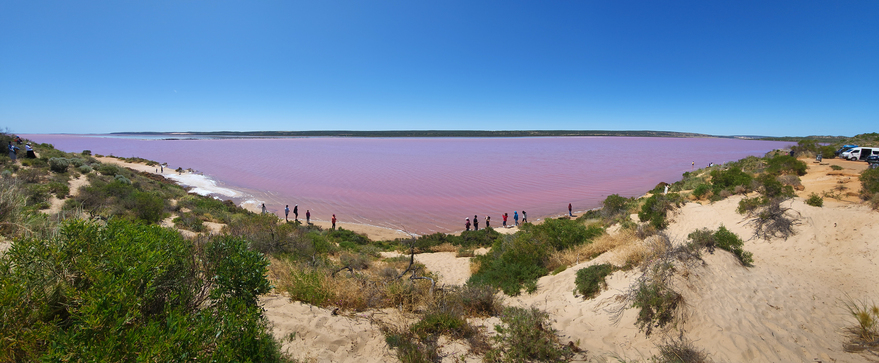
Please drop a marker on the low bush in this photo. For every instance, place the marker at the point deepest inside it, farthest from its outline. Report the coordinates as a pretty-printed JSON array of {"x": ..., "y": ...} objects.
[
  {"x": 60, "y": 190},
  {"x": 563, "y": 233},
  {"x": 85, "y": 169},
  {"x": 689, "y": 181},
  {"x": 771, "y": 188},
  {"x": 341, "y": 234},
  {"x": 746, "y": 205},
  {"x": 701, "y": 191},
  {"x": 815, "y": 200},
  {"x": 786, "y": 165},
  {"x": 526, "y": 335},
  {"x": 109, "y": 293},
  {"x": 729, "y": 179},
  {"x": 869, "y": 182},
  {"x": 680, "y": 350},
  {"x": 513, "y": 262},
  {"x": 590, "y": 280},
  {"x": 657, "y": 207},
  {"x": 189, "y": 221},
  {"x": 59, "y": 165},
  {"x": 657, "y": 303},
  {"x": 723, "y": 239},
  {"x": 836, "y": 167},
  {"x": 615, "y": 206}
]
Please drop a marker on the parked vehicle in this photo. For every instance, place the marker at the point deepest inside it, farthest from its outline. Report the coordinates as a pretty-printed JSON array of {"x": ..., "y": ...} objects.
[
  {"x": 845, "y": 148},
  {"x": 860, "y": 153},
  {"x": 873, "y": 160}
]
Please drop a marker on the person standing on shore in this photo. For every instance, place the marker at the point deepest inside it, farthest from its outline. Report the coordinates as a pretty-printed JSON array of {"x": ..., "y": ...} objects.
[
  {"x": 516, "y": 217},
  {"x": 505, "y": 219},
  {"x": 524, "y": 217},
  {"x": 466, "y": 224},
  {"x": 334, "y": 221},
  {"x": 286, "y": 212},
  {"x": 570, "y": 214},
  {"x": 475, "y": 223},
  {"x": 307, "y": 216},
  {"x": 296, "y": 212},
  {"x": 264, "y": 211},
  {"x": 487, "y": 221}
]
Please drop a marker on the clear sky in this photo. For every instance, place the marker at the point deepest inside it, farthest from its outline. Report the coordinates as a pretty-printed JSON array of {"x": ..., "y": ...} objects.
[{"x": 717, "y": 67}]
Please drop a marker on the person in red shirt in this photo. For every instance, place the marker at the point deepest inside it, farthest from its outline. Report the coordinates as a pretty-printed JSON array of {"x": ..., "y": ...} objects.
[
  {"x": 466, "y": 224},
  {"x": 334, "y": 221},
  {"x": 569, "y": 210},
  {"x": 307, "y": 216},
  {"x": 505, "y": 220}
]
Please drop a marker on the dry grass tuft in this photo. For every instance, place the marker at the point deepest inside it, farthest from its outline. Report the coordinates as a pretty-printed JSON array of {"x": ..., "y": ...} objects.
[
  {"x": 586, "y": 252},
  {"x": 445, "y": 247}
]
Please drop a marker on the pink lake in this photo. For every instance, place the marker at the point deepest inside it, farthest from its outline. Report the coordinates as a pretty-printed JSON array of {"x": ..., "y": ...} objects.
[{"x": 426, "y": 185}]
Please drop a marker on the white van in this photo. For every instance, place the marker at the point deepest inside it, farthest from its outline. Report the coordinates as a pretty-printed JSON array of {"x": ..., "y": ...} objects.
[{"x": 860, "y": 153}]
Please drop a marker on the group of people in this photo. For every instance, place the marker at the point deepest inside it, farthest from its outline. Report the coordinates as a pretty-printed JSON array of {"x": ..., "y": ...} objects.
[
  {"x": 13, "y": 150},
  {"x": 488, "y": 220},
  {"x": 296, "y": 214},
  {"x": 505, "y": 216}
]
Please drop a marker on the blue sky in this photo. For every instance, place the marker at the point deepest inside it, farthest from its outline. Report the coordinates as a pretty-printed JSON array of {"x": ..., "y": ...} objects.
[{"x": 716, "y": 67}]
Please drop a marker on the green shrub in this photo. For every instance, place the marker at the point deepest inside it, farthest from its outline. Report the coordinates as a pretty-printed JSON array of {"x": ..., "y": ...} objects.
[
  {"x": 723, "y": 239},
  {"x": 472, "y": 239},
  {"x": 514, "y": 262},
  {"x": 701, "y": 191},
  {"x": 750, "y": 164},
  {"x": 731, "y": 242},
  {"x": 61, "y": 190},
  {"x": 409, "y": 349},
  {"x": 308, "y": 285},
  {"x": 870, "y": 181},
  {"x": 657, "y": 304},
  {"x": 38, "y": 195},
  {"x": 109, "y": 293},
  {"x": 747, "y": 205},
  {"x": 615, "y": 206},
  {"x": 729, "y": 178},
  {"x": 657, "y": 207},
  {"x": 689, "y": 182},
  {"x": 111, "y": 170},
  {"x": 526, "y": 335},
  {"x": 341, "y": 234},
  {"x": 190, "y": 222},
  {"x": 786, "y": 164},
  {"x": 59, "y": 165},
  {"x": 836, "y": 167},
  {"x": 771, "y": 188},
  {"x": 815, "y": 200},
  {"x": 563, "y": 233},
  {"x": 590, "y": 280},
  {"x": 85, "y": 169}
]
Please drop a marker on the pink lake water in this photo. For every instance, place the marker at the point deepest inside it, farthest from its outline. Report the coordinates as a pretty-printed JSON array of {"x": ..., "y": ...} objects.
[{"x": 426, "y": 185}]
